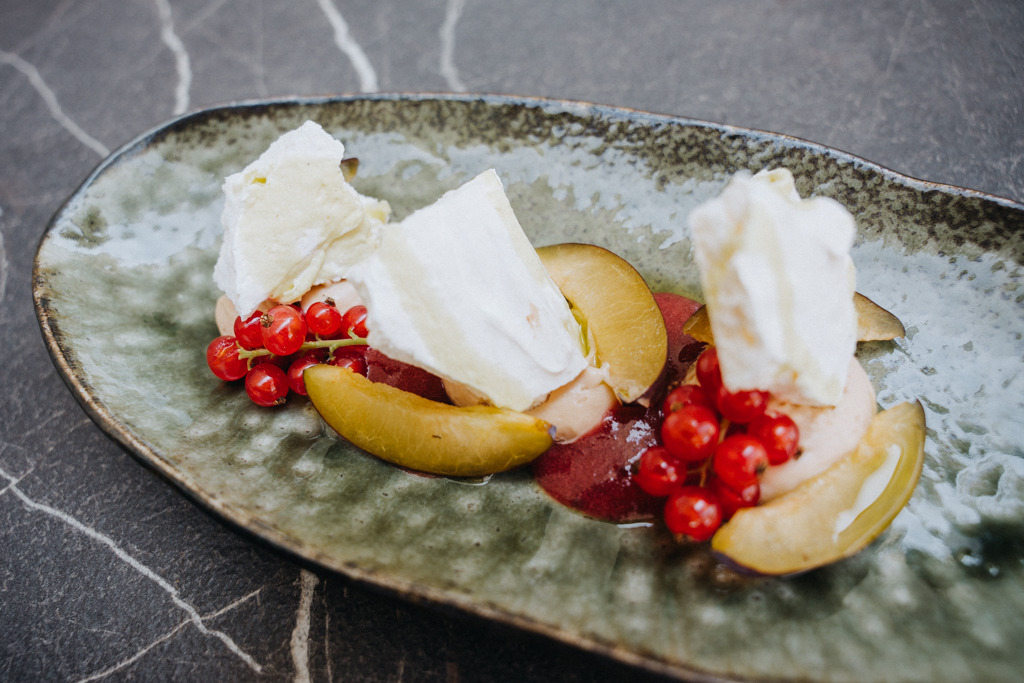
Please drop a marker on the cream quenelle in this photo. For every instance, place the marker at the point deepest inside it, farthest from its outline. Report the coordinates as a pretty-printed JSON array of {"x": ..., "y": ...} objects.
[
  {"x": 292, "y": 221},
  {"x": 779, "y": 282}
]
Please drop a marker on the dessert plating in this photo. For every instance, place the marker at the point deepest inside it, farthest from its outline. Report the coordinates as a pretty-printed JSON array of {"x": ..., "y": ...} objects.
[{"x": 779, "y": 281}]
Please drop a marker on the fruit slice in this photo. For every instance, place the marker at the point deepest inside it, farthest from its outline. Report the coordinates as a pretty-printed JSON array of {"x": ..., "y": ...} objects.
[
  {"x": 874, "y": 323},
  {"x": 423, "y": 435},
  {"x": 349, "y": 168},
  {"x": 619, "y": 310},
  {"x": 805, "y": 528},
  {"x": 698, "y": 326}
]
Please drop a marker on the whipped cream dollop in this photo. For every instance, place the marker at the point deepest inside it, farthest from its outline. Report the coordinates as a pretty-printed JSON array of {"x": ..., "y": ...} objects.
[
  {"x": 292, "y": 221},
  {"x": 457, "y": 289},
  {"x": 779, "y": 283}
]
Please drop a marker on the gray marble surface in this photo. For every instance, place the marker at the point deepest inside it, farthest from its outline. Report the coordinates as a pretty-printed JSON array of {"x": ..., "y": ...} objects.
[{"x": 106, "y": 572}]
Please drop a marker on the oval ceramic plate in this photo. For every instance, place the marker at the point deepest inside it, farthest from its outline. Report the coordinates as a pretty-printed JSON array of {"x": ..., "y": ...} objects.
[{"x": 125, "y": 299}]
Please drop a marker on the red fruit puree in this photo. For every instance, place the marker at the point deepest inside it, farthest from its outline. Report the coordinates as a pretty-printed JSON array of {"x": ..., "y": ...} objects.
[
  {"x": 403, "y": 376},
  {"x": 593, "y": 475}
]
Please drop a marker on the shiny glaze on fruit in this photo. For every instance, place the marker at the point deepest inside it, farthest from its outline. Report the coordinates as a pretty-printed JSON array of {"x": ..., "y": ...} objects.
[{"x": 594, "y": 474}]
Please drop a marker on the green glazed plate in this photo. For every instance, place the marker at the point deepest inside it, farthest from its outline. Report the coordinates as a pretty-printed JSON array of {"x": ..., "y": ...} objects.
[{"x": 124, "y": 293}]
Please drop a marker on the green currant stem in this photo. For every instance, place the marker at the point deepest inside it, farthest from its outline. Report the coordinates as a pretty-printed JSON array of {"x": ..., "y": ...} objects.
[
  {"x": 723, "y": 427},
  {"x": 255, "y": 353},
  {"x": 704, "y": 472},
  {"x": 330, "y": 344}
]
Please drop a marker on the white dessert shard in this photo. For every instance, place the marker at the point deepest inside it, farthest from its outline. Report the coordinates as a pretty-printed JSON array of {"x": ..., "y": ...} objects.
[
  {"x": 292, "y": 221},
  {"x": 779, "y": 282},
  {"x": 457, "y": 289}
]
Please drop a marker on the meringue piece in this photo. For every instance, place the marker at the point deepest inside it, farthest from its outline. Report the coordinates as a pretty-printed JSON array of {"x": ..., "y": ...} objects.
[
  {"x": 292, "y": 221},
  {"x": 457, "y": 289},
  {"x": 779, "y": 283}
]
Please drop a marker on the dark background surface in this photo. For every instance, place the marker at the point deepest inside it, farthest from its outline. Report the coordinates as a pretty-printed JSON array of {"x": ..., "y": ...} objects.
[{"x": 106, "y": 572}]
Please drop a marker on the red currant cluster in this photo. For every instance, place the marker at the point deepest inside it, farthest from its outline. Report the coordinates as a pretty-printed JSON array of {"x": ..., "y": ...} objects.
[
  {"x": 271, "y": 350},
  {"x": 716, "y": 443}
]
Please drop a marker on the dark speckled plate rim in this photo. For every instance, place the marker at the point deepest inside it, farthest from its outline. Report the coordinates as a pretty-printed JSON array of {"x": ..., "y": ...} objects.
[{"x": 262, "y": 532}]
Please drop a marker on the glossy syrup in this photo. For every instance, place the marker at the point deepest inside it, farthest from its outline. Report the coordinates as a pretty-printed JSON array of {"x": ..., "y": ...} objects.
[
  {"x": 593, "y": 475},
  {"x": 403, "y": 376}
]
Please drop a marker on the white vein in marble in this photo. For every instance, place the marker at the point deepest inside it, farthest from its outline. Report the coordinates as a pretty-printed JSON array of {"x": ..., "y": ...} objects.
[
  {"x": 163, "y": 639},
  {"x": 448, "y": 69},
  {"x": 200, "y": 18},
  {"x": 300, "y": 634},
  {"x": 181, "y": 60},
  {"x": 193, "y": 614},
  {"x": 3, "y": 260},
  {"x": 52, "y": 22},
  {"x": 343, "y": 39},
  {"x": 327, "y": 641},
  {"x": 50, "y": 99}
]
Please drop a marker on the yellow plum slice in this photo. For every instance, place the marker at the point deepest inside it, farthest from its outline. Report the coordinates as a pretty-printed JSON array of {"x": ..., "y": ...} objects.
[
  {"x": 874, "y": 323},
  {"x": 810, "y": 526},
  {"x": 619, "y": 309},
  {"x": 407, "y": 430}
]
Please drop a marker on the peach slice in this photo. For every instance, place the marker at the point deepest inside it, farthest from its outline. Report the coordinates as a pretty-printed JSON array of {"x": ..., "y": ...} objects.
[
  {"x": 424, "y": 435},
  {"x": 874, "y": 323},
  {"x": 833, "y": 515},
  {"x": 619, "y": 311}
]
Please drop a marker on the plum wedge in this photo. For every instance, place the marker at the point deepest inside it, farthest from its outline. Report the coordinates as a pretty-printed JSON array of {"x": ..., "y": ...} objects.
[
  {"x": 874, "y": 323},
  {"x": 407, "y": 430},
  {"x": 820, "y": 521},
  {"x": 619, "y": 310}
]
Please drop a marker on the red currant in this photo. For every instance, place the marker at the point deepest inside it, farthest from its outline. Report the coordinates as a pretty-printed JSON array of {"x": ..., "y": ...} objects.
[
  {"x": 731, "y": 499},
  {"x": 351, "y": 358},
  {"x": 298, "y": 366},
  {"x": 353, "y": 323},
  {"x": 267, "y": 385},
  {"x": 709, "y": 373},
  {"x": 740, "y": 406},
  {"x": 693, "y": 511},
  {"x": 690, "y": 433},
  {"x": 739, "y": 460},
  {"x": 284, "y": 330},
  {"x": 686, "y": 395},
  {"x": 778, "y": 434},
  {"x": 324, "y": 320},
  {"x": 222, "y": 357},
  {"x": 659, "y": 473},
  {"x": 248, "y": 331}
]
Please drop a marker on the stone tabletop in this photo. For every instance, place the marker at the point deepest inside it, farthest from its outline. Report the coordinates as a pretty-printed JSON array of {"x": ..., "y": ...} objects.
[{"x": 107, "y": 572}]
